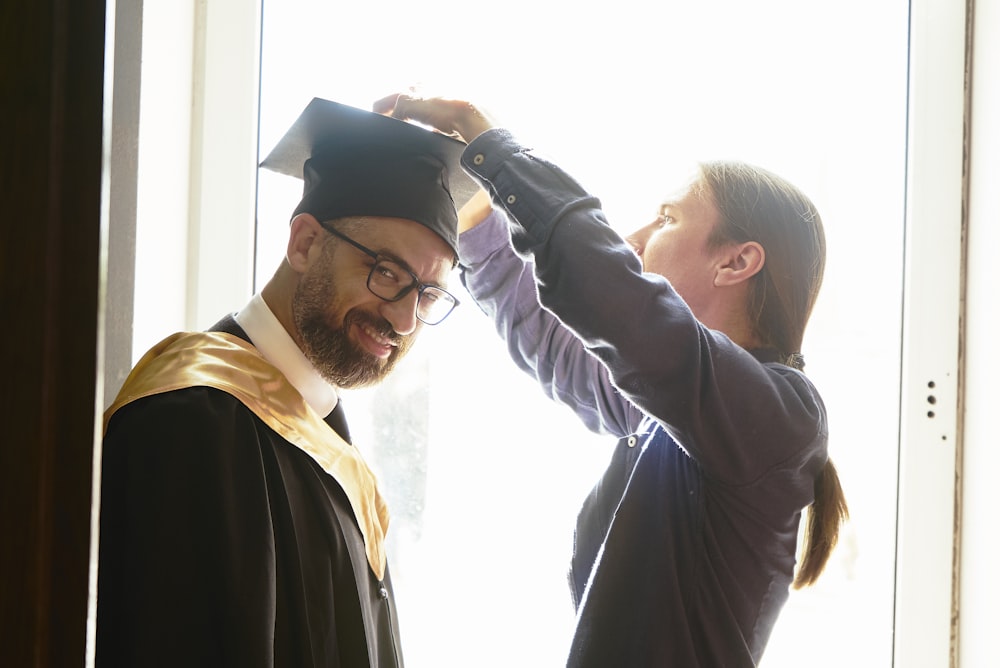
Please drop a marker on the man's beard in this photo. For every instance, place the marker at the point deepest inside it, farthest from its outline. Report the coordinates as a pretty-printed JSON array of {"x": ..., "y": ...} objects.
[{"x": 329, "y": 349}]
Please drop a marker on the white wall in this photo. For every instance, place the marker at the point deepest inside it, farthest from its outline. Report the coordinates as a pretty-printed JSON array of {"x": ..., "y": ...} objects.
[{"x": 980, "y": 541}]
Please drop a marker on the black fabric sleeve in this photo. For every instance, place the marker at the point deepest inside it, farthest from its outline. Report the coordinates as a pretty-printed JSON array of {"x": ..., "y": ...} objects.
[{"x": 186, "y": 564}]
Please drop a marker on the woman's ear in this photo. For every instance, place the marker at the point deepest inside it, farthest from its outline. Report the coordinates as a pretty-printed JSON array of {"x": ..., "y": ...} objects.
[
  {"x": 740, "y": 263},
  {"x": 305, "y": 242}
]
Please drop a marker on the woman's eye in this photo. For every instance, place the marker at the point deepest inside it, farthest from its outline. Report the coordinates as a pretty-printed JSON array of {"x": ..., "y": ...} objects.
[{"x": 663, "y": 219}]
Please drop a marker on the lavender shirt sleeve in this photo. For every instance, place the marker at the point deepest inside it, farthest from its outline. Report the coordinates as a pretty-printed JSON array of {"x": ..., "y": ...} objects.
[{"x": 503, "y": 286}]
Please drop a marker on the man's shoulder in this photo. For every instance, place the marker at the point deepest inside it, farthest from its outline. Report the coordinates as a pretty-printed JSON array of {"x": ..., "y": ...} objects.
[
  {"x": 187, "y": 360},
  {"x": 180, "y": 408}
]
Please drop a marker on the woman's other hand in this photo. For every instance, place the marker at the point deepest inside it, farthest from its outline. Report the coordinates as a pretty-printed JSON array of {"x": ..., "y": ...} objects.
[{"x": 458, "y": 118}]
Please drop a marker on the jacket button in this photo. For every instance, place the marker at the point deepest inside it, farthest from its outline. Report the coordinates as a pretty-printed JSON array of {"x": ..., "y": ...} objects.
[
  {"x": 511, "y": 199},
  {"x": 632, "y": 440},
  {"x": 478, "y": 159}
]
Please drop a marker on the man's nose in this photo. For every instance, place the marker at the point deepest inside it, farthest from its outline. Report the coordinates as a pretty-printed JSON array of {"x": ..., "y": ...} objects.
[{"x": 402, "y": 314}]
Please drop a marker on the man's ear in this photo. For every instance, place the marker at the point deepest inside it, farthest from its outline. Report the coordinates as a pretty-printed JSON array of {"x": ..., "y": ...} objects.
[
  {"x": 305, "y": 242},
  {"x": 740, "y": 263}
]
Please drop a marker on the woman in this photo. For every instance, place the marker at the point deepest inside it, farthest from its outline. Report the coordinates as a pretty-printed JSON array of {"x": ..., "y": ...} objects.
[{"x": 683, "y": 340}]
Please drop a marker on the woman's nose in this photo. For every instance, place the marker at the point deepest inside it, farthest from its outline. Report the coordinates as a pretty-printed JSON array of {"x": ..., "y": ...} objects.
[{"x": 637, "y": 240}]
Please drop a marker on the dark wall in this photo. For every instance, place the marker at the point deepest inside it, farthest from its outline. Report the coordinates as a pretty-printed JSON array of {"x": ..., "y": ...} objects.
[{"x": 51, "y": 87}]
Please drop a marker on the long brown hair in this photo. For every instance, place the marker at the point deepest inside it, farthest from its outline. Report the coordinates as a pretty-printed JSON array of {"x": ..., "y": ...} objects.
[{"x": 756, "y": 205}]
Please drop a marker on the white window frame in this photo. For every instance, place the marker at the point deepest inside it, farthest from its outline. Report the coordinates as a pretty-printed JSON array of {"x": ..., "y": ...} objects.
[
  {"x": 197, "y": 164},
  {"x": 929, "y": 397}
]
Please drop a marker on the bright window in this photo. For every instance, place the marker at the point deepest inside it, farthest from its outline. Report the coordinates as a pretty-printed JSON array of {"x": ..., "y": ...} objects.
[{"x": 482, "y": 474}]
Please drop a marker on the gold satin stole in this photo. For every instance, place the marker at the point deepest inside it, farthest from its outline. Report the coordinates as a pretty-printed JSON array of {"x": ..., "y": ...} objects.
[{"x": 228, "y": 363}]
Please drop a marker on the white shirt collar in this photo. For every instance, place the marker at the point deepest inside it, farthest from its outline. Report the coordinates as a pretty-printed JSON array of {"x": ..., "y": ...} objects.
[{"x": 278, "y": 348}]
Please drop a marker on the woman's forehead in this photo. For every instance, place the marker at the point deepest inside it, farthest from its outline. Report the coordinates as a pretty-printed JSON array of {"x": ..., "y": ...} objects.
[{"x": 690, "y": 194}]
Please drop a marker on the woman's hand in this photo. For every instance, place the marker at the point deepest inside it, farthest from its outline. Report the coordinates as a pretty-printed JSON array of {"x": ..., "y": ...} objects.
[
  {"x": 457, "y": 118},
  {"x": 474, "y": 211}
]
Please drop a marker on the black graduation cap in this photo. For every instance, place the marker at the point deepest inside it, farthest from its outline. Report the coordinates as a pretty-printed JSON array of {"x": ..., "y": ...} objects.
[{"x": 359, "y": 163}]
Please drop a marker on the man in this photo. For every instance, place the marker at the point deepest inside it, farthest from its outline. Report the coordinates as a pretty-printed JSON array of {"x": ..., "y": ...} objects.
[{"x": 238, "y": 525}]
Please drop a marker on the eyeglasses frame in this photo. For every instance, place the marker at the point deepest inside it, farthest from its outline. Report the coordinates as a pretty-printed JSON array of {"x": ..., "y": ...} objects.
[{"x": 420, "y": 286}]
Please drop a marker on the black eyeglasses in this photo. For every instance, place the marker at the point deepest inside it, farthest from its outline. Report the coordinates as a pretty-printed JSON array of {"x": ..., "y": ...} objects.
[{"x": 391, "y": 281}]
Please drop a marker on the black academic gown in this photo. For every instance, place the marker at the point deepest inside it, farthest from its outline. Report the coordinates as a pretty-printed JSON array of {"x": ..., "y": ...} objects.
[{"x": 221, "y": 544}]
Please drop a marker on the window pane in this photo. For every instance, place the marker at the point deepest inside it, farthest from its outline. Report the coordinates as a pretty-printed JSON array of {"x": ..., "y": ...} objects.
[{"x": 482, "y": 474}]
